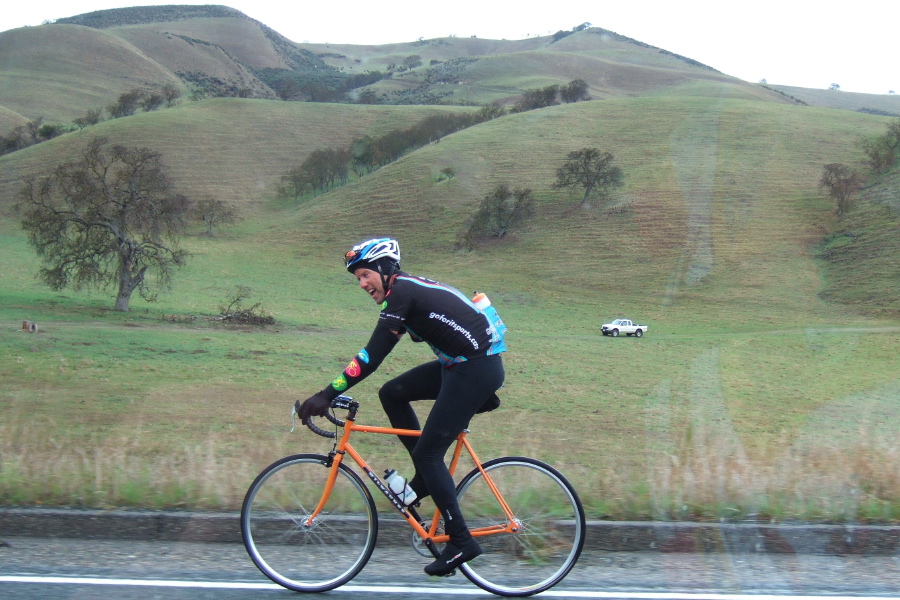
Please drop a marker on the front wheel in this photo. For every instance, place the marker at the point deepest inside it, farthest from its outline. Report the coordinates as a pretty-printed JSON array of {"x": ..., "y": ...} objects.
[
  {"x": 550, "y": 519},
  {"x": 303, "y": 557},
  {"x": 615, "y": 333}
]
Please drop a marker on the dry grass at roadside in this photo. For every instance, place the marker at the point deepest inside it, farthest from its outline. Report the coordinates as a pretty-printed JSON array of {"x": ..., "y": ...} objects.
[{"x": 706, "y": 479}]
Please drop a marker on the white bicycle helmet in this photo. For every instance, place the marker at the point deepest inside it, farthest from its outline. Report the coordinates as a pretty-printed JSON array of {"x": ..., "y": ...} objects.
[{"x": 381, "y": 254}]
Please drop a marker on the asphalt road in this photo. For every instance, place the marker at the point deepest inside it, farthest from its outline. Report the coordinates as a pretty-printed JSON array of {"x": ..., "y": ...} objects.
[
  {"x": 176, "y": 570},
  {"x": 66, "y": 553}
]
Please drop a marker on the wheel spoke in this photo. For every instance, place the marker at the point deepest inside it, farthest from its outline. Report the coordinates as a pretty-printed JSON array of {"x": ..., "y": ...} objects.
[
  {"x": 552, "y": 529},
  {"x": 323, "y": 555}
]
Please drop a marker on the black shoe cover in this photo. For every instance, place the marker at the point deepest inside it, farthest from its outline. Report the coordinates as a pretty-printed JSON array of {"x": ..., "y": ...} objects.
[{"x": 452, "y": 557}]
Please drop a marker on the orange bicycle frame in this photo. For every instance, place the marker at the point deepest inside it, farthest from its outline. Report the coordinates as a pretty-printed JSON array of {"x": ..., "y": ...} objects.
[{"x": 343, "y": 447}]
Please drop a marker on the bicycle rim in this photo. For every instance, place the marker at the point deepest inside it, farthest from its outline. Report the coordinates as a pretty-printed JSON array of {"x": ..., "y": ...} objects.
[
  {"x": 315, "y": 558},
  {"x": 551, "y": 521}
]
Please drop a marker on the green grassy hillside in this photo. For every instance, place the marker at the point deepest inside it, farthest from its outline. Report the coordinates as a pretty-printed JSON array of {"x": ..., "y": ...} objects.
[
  {"x": 718, "y": 222},
  {"x": 718, "y": 216},
  {"x": 878, "y": 103},
  {"x": 61, "y": 71},
  {"x": 225, "y": 52},
  {"x": 201, "y": 59},
  {"x": 862, "y": 270},
  {"x": 10, "y": 119},
  {"x": 242, "y": 39},
  {"x": 473, "y": 71},
  {"x": 43, "y": 70},
  {"x": 231, "y": 149}
]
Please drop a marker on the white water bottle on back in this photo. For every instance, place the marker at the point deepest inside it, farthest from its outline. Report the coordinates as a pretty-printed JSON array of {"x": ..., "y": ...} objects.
[
  {"x": 399, "y": 487},
  {"x": 497, "y": 329}
]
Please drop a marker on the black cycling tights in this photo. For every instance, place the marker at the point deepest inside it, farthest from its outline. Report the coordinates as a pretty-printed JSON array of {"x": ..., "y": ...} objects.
[{"x": 458, "y": 392}]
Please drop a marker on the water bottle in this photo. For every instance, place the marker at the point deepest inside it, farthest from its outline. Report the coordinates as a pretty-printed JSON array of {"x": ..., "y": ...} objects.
[
  {"x": 481, "y": 301},
  {"x": 398, "y": 485},
  {"x": 497, "y": 329}
]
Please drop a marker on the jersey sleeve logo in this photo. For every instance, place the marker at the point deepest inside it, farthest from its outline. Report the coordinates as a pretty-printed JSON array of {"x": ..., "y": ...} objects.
[
  {"x": 353, "y": 369},
  {"x": 363, "y": 356},
  {"x": 340, "y": 383}
]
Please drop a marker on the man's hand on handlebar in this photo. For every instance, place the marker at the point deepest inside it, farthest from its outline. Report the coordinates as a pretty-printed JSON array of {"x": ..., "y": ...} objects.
[{"x": 314, "y": 406}]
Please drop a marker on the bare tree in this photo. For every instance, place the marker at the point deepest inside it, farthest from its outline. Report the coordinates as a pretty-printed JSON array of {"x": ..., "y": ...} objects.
[
  {"x": 171, "y": 93},
  {"x": 92, "y": 117},
  {"x": 591, "y": 169},
  {"x": 110, "y": 218},
  {"x": 883, "y": 151},
  {"x": 841, "y": 183},
  {"x": 234, "y": 309},
  {"x": 214, "y": 213},
  {"x": 362, "y": 156},
  {"x": 294, "y": 183},
  {"x": 34, "y": 129},
  {"x": 152, "y": 101}
]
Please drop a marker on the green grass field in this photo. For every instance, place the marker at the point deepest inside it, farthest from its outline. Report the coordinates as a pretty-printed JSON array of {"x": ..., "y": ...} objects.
[{"x": 766, "y": 387}]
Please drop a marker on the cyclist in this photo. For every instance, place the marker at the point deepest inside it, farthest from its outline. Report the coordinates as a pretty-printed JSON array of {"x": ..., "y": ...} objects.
[{"x": 462, "y": 381}]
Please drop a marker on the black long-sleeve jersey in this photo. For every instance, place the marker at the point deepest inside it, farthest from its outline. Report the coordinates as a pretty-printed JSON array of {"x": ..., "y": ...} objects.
[{"x": 430, "y": 312}]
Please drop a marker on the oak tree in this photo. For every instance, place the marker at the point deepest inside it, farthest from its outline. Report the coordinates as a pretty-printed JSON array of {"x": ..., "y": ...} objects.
[
  {"x": 841, "y": 182},
  {"x": 575, "y": 90},
  {"x": 592, "y": 170},
  {"x": 214, "y": 213},
  {"x": 503, "y": 209},
  {"x": 108, "y": 219}
]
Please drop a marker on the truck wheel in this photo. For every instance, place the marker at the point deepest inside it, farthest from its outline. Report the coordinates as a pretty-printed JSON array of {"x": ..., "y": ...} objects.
[
  {"x": 615, "y": 333},
  {"x": 638, "y": 333}
]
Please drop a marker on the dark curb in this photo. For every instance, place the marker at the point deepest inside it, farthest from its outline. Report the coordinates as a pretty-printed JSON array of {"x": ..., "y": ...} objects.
[{"x": 207, "y": 527}]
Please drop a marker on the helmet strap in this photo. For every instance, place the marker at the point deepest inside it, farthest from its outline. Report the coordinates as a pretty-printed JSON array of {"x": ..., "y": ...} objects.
[{"x": 387, "y": 278}]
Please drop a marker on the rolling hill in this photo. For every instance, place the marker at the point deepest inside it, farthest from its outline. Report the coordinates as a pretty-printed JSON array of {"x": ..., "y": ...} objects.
[
  {"x": 712, "y": 162},
  {"x": 224, "y": 53}
]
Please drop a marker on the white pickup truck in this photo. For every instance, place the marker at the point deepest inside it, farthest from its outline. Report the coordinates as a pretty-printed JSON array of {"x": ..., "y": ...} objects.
[{"x": 623, "y": 326}]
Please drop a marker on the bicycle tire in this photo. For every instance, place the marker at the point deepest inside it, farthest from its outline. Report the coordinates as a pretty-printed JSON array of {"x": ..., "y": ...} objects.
[
  {"x": 551, "y": 519},
  {"x": 308, "y": 559}
]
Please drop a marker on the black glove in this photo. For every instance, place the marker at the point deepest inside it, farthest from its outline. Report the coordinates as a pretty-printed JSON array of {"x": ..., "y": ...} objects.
[{"x": 314, "y": 406}]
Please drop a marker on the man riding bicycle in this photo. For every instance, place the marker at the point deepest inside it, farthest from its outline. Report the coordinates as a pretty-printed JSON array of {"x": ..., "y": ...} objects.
[{"x": 462, "y": 381}]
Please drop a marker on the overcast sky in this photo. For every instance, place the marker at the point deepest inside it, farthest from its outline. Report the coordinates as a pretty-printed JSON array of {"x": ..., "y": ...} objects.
[{"x": 788, "y": 42}]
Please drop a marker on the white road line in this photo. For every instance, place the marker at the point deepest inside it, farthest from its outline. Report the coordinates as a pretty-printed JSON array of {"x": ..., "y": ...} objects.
[{"x": 444, "y": 591}]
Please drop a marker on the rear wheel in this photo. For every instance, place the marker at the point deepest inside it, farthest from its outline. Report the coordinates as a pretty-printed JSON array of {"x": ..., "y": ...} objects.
[
  {"x": 303, "y": 557},
  {"x": 549, "y": 516},
  {"x": 638, "y": 333}
]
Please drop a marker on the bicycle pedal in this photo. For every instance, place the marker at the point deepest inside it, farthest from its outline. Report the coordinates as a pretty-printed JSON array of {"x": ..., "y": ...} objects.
[{"x": 419, "y": 544}]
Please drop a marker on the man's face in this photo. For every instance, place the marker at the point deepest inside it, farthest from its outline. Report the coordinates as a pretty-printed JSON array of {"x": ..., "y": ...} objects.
[{"x": 370, "y": 281}]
